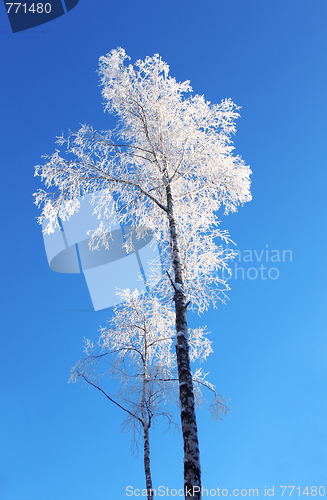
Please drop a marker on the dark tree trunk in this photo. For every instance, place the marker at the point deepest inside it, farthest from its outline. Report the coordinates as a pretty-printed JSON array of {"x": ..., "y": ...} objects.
[
  {"x": 192, "y": 471},
  {"x": 147, "y": 461}
]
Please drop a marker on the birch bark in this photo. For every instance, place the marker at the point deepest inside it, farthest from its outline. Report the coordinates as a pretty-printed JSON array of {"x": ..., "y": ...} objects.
[
  {"x": 192, "y": 470},
  {"x": 147, "y": 469},
  {"x": 146, "y": 418}
]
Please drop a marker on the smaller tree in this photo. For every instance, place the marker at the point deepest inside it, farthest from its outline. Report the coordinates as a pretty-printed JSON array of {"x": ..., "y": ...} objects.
[{"x": 137, "y": 349}]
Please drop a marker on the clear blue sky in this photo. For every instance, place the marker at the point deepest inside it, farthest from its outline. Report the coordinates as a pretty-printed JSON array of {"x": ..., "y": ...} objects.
[{"x": 61, "y": 441}]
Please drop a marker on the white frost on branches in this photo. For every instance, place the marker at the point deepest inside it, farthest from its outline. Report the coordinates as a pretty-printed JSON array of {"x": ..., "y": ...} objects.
[
  {"x": 165, "y": 136},
  {"x": 136, "y": 349}
]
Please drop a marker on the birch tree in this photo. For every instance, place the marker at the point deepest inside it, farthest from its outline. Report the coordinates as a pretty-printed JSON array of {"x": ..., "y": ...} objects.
[
  {"x": 136, "y": 347},
  {"x": 166, "y": 168},
  {"x": 137, "y": 350}
]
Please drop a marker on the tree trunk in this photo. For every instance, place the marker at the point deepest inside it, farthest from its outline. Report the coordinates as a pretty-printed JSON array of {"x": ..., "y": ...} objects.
[
  {"x": 192, "y": 470},
  {"x": 146, "y": 422},
  {"x": 147, "y": 461}
]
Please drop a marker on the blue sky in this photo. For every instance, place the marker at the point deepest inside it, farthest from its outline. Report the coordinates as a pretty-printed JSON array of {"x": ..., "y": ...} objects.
[{"x": 63, "y": 441}]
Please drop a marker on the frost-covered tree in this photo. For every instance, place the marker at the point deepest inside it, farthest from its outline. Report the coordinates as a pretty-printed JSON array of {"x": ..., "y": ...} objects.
[
  {"x": 136, "y": 349},
  {"x": 167, "y": 168}
]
